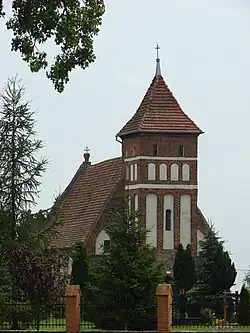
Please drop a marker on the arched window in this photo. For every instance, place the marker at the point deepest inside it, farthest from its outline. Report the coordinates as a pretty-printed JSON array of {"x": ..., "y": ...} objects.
[
  {"x": 132, "y": 172},
  {"x": 135, "y": 172},
  {"x": 185, "y": 172},
  {"x": 151, "y": 171},
  {"x": 163, "y": 171},
  {"x": 127, "y": 172},
  {"x": 102, "y": 241},
  {"x": 174, "y": 171}
]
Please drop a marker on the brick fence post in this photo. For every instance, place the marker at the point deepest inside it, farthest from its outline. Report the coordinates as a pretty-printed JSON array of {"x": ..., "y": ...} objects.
[
  {"x": 73, "y": 294},
  {"x": 164, "y": 308}
]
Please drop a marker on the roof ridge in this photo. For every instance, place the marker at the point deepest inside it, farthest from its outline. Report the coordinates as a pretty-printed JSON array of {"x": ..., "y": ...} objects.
[{"x": 105, "y": 161}]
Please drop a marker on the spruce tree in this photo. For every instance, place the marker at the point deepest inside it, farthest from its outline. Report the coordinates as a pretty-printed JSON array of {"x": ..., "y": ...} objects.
[
  {"x": 123, "y": 284},
  {"x": 216, "y": 271},
  {"x": 79, "y": 274},
  {"x": 244, "y": 307},
  {"x": 184, "y": 269},
  {"x": 20, "y": 170},
  {"x": 20, "y": 179}
]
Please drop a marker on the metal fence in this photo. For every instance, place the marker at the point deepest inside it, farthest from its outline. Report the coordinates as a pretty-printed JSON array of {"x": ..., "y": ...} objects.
[
  {"x": 24, "y": 315},
  {"x": 208, "y": 313}
]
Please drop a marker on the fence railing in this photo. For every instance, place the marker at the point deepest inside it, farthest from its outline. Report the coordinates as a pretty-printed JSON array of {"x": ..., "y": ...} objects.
[
  {"x": 73, "y": 314},
  {"x": 23, "y": 315}
]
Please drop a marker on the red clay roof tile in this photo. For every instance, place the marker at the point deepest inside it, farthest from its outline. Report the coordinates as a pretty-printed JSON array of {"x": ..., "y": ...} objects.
[
  {"x": 85, "y": 199},
  {"x": 159, "y": 112}
]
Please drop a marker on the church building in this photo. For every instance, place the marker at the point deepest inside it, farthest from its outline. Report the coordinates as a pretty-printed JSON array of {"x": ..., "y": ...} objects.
[{"x": 157, "y": 169}]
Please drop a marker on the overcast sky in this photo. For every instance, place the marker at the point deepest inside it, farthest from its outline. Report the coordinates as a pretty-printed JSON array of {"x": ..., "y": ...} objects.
[{"x": 205, "y": 59}]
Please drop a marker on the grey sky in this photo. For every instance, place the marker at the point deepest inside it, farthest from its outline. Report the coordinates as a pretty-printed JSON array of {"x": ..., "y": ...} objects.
[{"x": 205, "y": 52}]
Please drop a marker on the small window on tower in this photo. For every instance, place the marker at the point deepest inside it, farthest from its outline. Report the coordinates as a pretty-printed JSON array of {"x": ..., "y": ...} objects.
[
  {"x": 155, "y": 150},
  {"x": 168, "y": 220},
  {"x": 133, "y": 151},
  {"x": 181, "y": 153}
]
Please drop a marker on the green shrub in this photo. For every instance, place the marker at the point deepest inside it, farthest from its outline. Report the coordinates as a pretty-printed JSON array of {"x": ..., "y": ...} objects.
[
  {"x": 22, "y": 311},
  {"x": 207, "y": 316}
]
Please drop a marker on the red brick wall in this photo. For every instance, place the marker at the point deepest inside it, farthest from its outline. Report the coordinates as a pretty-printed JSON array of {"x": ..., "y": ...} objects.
[{"x": 168, "y": 145}]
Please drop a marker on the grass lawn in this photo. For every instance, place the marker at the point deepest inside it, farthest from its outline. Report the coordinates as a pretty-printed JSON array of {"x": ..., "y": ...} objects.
[{"x": 190, "y": 328}]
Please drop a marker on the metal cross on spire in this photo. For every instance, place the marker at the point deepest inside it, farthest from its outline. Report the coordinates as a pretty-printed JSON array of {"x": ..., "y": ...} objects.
[
  {"x": 158, "y": 67},
  {"x": 157, "y": 51},
  {"x": 87, "y": 150}
]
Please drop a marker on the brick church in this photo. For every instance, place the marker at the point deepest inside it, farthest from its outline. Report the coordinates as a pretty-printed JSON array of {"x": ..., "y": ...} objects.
[{"x": 157, "y": 167}]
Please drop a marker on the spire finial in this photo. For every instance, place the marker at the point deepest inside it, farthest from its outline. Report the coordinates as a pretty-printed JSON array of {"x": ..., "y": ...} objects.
[
  {"x": 86, "y": 154},
  {"x": 158, "y": 67}
]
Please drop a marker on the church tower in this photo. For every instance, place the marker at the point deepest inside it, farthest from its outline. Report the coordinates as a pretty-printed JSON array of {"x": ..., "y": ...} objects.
[{"x": 159, "y": 152}]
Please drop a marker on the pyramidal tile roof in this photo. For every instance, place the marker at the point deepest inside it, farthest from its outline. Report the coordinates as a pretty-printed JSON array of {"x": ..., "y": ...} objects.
[{"x": 159, "y": 112}]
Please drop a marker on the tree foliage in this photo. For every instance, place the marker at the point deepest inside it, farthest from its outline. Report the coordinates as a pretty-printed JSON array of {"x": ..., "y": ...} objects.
[
  {"x": 37, "y": 274},
  {"x": 123, "y": 283},
  {"x": 27, "y": 269},
  {"x": 20, "y": 170},
  {"x": 71, "y": 24},
  {"x": 244, "y": 307},
  {"x": 184, "y": 269},
  {"x": 79, "y": 274},
  {"x": 216, "y": 271}
]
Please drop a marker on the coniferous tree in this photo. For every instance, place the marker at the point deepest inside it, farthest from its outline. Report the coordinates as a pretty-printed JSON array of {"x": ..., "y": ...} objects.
[
  {"x": 79, "y": 274},
  {"x": 20, "y": 178},
  {"x": 184, "y": 276},
  {"x": 244, "y": 307},
  {"x": 216, "y": 271},
  {"x": 184, "y": 269},
  {"x": 20, "y": 170},
  {"x": 123, "y": 284}
]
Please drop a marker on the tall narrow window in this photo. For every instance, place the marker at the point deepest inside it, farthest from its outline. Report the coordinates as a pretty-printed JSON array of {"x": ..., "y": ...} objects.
[
  {"x": 155, "y": 150},
  {"x": 135, "y": 172},
  {"x": 168, "y": 220},
  {"x": 127, "y": 172},
  {"x": 151, "y": 171},
  {"x": 174, "y": 171},
  {"x": 163, "y": 171},
  {"x": 185, "y": 172},
  {"x": 181, "y": 152},
  {"x": 131, "y": 172},
  {"x": 133, "y": 151}
]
